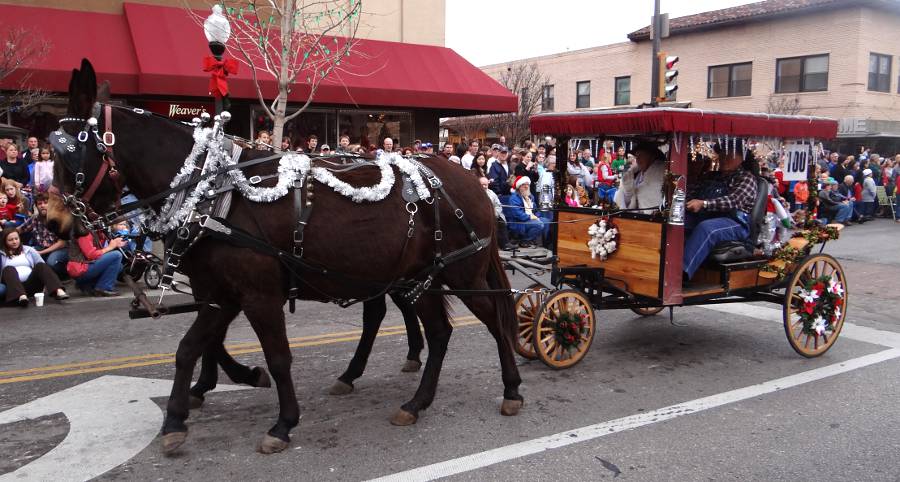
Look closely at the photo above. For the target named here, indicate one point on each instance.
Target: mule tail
(504, 306)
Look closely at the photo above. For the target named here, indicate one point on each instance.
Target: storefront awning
(69, 36)
(154, 50)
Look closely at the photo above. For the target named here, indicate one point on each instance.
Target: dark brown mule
(366, 240)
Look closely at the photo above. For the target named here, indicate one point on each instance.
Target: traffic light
(668, 77)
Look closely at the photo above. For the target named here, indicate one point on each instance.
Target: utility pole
(656, 32)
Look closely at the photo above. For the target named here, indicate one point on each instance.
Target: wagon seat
(730, 251)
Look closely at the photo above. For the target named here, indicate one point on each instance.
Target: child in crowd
(571, 197)
(7, 212)
(42, 176)
(15, 197)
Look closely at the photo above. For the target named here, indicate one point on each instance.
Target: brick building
(832, 58)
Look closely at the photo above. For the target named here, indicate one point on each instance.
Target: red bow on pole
(218, 70)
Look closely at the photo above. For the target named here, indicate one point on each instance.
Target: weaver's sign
(179, 110)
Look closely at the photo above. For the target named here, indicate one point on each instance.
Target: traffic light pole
(654, 66)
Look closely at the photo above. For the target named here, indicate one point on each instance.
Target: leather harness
(211, 221)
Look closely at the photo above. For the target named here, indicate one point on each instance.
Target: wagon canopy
(695, 121)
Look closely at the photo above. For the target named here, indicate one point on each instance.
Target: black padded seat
(730, 251)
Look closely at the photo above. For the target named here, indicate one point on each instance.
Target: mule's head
(79, 158)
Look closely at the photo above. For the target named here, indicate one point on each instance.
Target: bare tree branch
(21, 49)
(783, 105)
(289, 41)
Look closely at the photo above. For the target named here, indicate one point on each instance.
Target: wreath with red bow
(569, 329)
(823, 300)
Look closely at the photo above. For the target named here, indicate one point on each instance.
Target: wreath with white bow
(604, 238)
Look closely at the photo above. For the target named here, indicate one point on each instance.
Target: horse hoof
(340, 388)
(172, 441)
(411, 366)
(262, 378)
(195, 402)
(403, 418)
(510, 408)
(271, 445)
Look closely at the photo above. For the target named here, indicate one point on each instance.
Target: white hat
(521, 181)
(454, 159)
(867, 172)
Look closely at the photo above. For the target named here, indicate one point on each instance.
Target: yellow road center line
(72, 369)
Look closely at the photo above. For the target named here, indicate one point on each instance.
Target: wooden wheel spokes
(812, 344)
(572, 304)
(527, 305)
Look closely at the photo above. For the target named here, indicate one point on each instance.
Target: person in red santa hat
(522, 215)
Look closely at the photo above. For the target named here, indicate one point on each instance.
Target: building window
(802, 74)
(547, 98)
(879, 73)
(623, 90)
(582, 94)
(729, 80)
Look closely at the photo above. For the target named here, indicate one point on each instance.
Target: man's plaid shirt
(741, 194)
(41, 237)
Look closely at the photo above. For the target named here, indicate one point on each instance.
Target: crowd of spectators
(33, 259)
(519, 181)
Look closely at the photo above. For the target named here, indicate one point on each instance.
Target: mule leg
(236, 372)
(267, 319)
(209, 371)
(413, 334)
(373, 314)
(493, 311)
(437, 333)
(191, 346)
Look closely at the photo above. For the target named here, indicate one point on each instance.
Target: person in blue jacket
(522, 215)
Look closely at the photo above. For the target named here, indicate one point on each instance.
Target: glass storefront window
(369, 128)
(366, 128)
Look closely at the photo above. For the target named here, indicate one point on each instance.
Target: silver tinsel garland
(291, 167)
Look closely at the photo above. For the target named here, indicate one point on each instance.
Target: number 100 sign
(796, 162)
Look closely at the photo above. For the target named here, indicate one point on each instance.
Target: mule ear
(74, 82)
(103, 92)
(82, 97)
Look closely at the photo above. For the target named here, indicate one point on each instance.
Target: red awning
(71, 35)
(159, 51)
(692, 121)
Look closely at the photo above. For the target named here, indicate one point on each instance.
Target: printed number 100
(797, 161)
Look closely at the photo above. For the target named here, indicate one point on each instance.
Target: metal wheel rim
(527, 306)
(813, 345)
(547, 349)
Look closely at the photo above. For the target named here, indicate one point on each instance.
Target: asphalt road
(830, 418)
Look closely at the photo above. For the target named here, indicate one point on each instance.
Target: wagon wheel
(527, 305)
(811, 345)
(560, 306)
(648, 310)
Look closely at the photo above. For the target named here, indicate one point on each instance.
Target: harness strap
(95, 184)
(438, 233)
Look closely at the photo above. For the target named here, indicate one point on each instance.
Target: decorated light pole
(217, 31)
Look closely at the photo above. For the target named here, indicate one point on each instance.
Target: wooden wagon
(644, 272)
